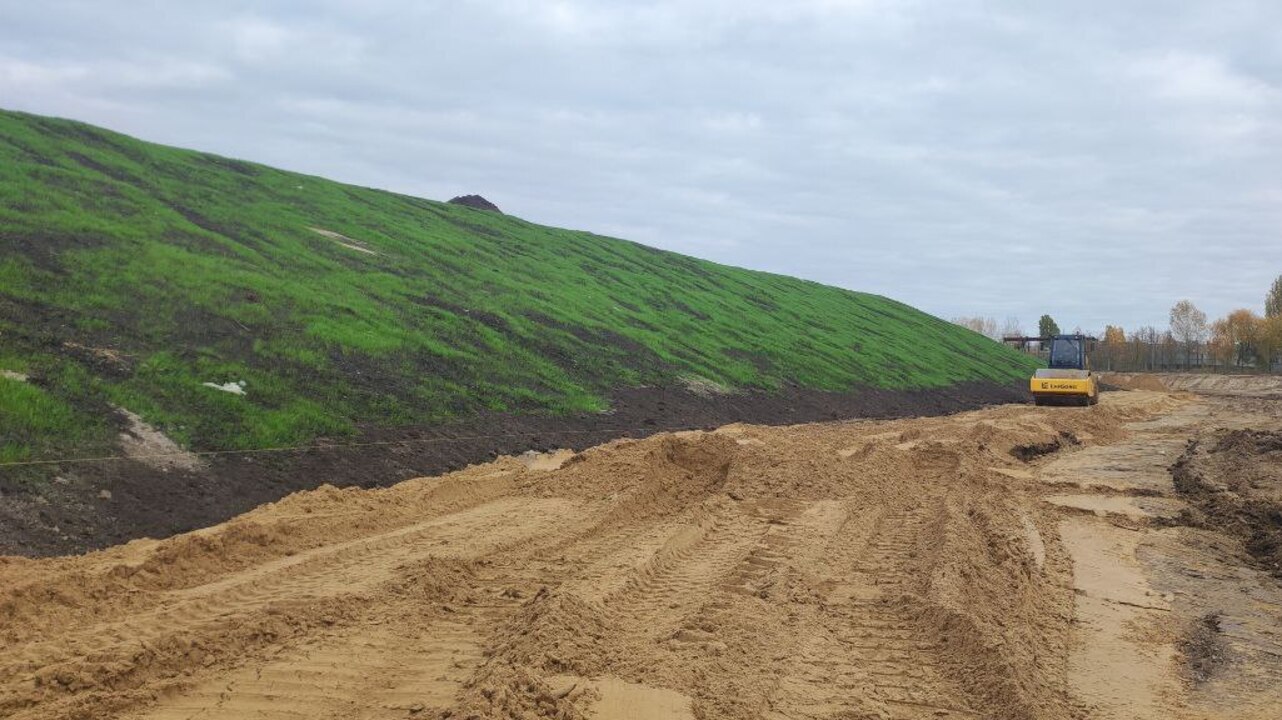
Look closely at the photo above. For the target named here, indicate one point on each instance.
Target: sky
(1094, 160)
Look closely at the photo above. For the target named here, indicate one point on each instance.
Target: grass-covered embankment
(131, 273)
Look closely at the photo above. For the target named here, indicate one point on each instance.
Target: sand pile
(1232, 385)
(860, 569)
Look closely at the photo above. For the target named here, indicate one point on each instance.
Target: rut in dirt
(1233, 479)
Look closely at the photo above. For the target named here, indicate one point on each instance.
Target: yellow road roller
(1067, 379)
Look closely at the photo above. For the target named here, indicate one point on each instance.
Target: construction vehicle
(1067, 379)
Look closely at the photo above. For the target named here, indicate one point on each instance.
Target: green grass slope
(131, 273)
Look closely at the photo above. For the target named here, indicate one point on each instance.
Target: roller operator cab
(1068, 379)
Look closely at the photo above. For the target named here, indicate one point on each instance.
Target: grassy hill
(132, 273)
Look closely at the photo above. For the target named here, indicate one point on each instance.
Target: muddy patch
(1233, 482)
(1032, 451)
(1203, 648)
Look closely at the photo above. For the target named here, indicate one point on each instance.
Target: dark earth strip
(1233, 482)
(76, 515)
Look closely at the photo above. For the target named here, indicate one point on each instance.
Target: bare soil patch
(1203, 647)
(1233, 479)
(1030, 452)
(147, 445)
(746, 572)
(1171, 619)
(908, 569)
(475, 202)
(1229, 385)
(159, 499)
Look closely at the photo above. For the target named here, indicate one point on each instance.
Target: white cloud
(17, 74)
(733, 123)
(158, 73)
(256, 39)
(1201, 79)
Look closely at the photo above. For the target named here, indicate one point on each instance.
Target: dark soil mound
(74, 514)
(477, 202)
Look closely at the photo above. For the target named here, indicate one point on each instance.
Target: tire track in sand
(861, 655)
(370, 673)
(345, 569)
(681, 577)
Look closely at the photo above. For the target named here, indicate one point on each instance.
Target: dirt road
(1015, 562)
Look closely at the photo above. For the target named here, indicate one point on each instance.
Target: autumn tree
(1268, 341)
(1221, 347)
(1114, 345)
(1188, 327)
(1234, 337)
(1046, 326)
(1273, 300)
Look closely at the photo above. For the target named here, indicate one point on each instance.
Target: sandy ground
(895, 569)
(1224, 385)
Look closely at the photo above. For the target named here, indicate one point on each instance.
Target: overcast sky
(1096, 160)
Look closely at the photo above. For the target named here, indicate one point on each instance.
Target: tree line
(1241, 340)
(988, 327)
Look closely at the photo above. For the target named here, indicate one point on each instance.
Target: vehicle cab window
(1066, 353)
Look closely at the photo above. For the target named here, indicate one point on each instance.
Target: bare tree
(1147, 334)
(985, 326)
(1145, 343)
(1188, 327)
(1012, 327)
(1169, 350)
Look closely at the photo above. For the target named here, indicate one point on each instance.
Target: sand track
(902, 569)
